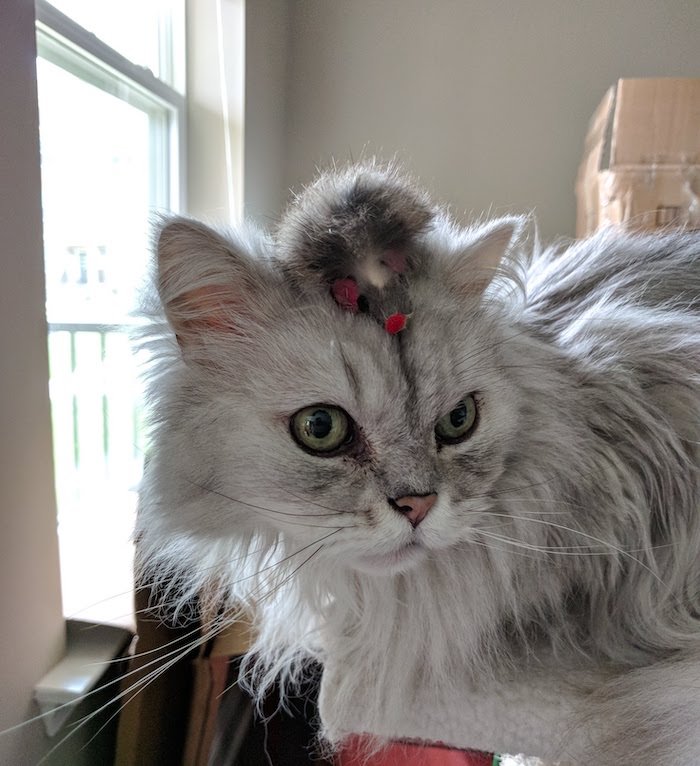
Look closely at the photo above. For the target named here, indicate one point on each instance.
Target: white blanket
(533, 716)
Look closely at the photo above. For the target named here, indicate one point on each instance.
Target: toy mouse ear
(483, 254)
(206, 283)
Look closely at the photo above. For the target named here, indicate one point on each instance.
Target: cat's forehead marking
(368, 377)
(353, 380)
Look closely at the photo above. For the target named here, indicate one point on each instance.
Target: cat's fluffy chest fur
(546, 403)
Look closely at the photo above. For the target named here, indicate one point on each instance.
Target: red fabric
(345, 293)
(354, 753)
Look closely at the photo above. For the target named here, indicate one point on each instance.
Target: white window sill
(90, 649)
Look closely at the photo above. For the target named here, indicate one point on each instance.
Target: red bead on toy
(395, 323)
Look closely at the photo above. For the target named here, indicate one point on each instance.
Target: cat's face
(298, 417)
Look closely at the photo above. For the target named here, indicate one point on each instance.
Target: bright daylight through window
(111, 115)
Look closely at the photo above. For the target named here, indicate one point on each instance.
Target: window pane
(96, 198)
(101, 178)
(145, 32)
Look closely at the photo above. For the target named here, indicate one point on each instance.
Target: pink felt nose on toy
(414, 507)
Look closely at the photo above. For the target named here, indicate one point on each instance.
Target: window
(111, 113)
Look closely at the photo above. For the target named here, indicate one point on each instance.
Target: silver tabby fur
(566, 527)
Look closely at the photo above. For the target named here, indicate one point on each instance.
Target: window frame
(63, 42)
(37, 28)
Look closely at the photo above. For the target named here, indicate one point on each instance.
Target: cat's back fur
(565, 529)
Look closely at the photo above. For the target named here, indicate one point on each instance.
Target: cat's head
(441, 497)
(287, 414)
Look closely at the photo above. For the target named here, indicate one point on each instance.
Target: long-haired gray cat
(461, 473)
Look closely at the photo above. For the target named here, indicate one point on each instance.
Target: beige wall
(215, 180)
(254, 62)
(487, 101)
(266, 68)
(31, 623)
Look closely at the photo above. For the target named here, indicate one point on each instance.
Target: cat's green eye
(321, 429)
(458, 423)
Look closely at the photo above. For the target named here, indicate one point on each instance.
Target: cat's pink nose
(414, 507)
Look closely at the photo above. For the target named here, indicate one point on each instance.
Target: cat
(497, 491)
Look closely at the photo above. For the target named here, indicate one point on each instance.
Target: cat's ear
(483, 254)
(207, 283)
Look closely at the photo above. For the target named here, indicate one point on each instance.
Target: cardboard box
(641, 162)
(170, 718)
